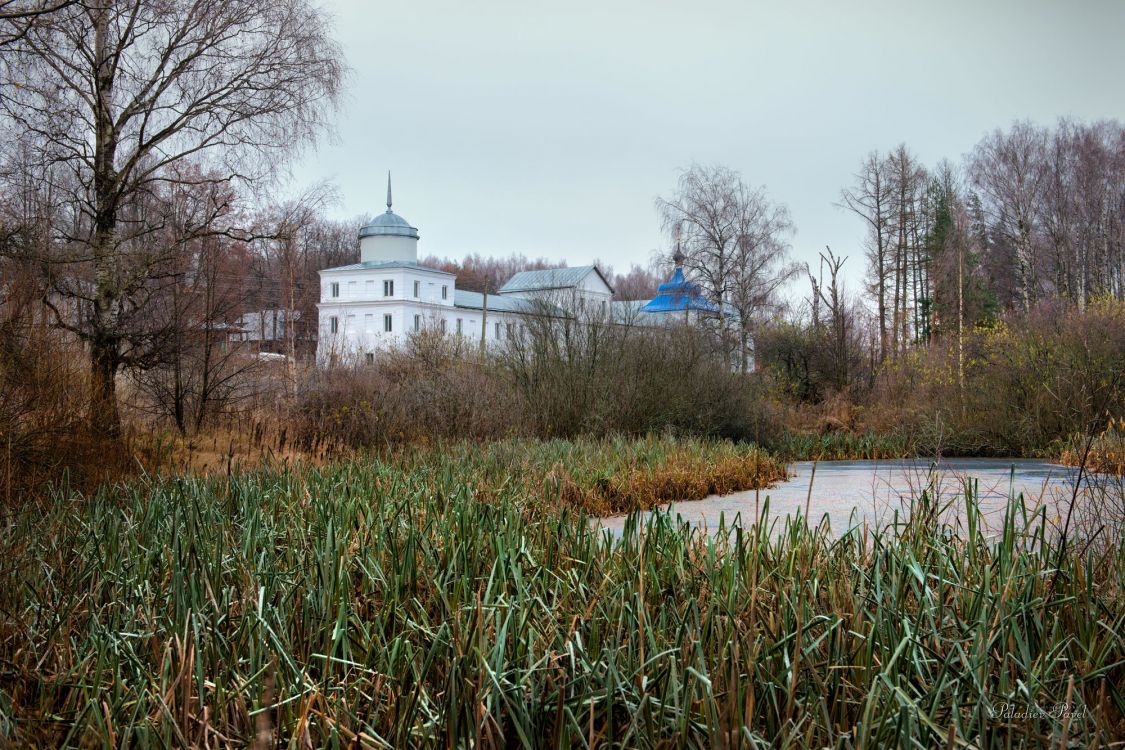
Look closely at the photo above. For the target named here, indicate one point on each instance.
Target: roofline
(604, 279)
(591, 267)
(490, 309)
(405, 265)
(535, 289)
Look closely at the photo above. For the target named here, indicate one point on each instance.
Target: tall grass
(840, 446)
(419, 602)
(1104, 453)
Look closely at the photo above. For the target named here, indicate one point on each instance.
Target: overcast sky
(549, 128)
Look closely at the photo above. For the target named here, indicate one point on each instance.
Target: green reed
(384, 603)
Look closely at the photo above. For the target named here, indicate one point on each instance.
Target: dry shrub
(590, 379)
(1028, 384)
(43, 433)
(434, 390)
(1106, 451)
(593, 377)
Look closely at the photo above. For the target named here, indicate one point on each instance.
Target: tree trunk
(104, 343)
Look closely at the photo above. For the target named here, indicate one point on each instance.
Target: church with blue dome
(379, 302)
(677, 295)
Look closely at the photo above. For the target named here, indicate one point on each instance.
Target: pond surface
(851, 492)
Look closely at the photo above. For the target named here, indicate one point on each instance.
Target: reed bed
(1105, 453)
(416, 601)
(843, 446)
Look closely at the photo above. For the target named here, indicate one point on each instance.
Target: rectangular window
(417, 289)
(444, 292)
(334, 323)
(459, 327)
(369, 322)
(497, 330)
(443, 325)
(370, 285)
(417, 322)
(388, 288)
(369, 358)
(387, 323)
(335, 289)
(508, 331)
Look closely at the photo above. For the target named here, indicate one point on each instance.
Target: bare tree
(906, 179)
(638, 283)
(871, 199)
(115, 94)
(18, 16)
(734, 240)
(840, 328)
(1006, 168)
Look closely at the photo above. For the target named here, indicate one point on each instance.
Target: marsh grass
(455, 599)
(1105, 452)
(843, 446)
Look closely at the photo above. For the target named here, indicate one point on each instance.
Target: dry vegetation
(1025, 387)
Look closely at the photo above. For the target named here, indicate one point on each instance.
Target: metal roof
(496, 302)
(387, 264)
(550, 278)
(678, 294)
(388, 224)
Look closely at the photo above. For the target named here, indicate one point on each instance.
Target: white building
(377, 303)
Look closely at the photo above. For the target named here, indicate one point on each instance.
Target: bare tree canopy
(114, 99)
(735, 243)
(1007, 170)
(18, 16)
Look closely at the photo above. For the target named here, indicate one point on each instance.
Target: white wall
(388, 247)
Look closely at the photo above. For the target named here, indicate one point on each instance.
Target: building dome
(678, 294)
(388, 223)
(388, 237)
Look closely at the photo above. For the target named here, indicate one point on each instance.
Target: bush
(591, 376)
(554, 379)
(43, 391)
(1029, 384)
(434, 390)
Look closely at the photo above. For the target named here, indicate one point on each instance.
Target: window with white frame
(443, 325)
(444, 291)
(335, 289)
(497, 331)
(369, 358)
(459, 327)
(417, 289)
(389, 288)
(369, 322)
(333, 323)
(387, 323)
(417, 322)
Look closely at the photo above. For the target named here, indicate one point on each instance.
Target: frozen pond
(872, 490)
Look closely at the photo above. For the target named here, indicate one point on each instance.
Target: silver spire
(388, 191)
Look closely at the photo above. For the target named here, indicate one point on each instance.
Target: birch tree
(1006, 169)
(113, 94)
(735, 243)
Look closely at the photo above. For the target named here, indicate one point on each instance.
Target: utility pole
(484, 318)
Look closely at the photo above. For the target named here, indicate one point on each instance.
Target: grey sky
(549, 128)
